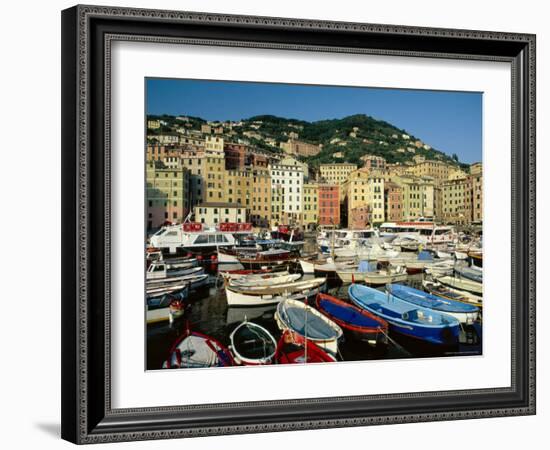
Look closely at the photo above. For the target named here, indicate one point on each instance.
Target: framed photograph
(281, 224)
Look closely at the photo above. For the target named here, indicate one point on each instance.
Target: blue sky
(448, 121)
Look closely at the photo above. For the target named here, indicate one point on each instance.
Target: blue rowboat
(403, 318)
(463, 312)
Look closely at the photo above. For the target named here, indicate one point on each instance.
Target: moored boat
(175, 280)
(261, 273)
(471, 273)
(174, 310)
(193, 350)
(403, 318)
(452, 294)
(293, 349)
(267, 258)
(463, 312)
(462, 283)
(264, 282)
(160, 270)
(369, 273)
(302, 320)
(162, 297)
(326, 267)
(359, 323)
(252, 344)
(251, 295)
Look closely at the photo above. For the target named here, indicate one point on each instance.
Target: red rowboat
(291, 349)
(359, 323)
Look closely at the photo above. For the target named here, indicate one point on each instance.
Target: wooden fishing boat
(462, 284)
(239, 273)
(389, 274)
(471, 273)
(302, 320)
(265, 282)
(463, 312)
(250, 295)
(252, 344)
(161, 298)
(178, 279)
(268, 258)
(413, 321)
(452, 294)
(193, 350)
(157, 272)
(294, 349)
(476, 257)
(358, 323)
(175, 310)
(440, 268)
(323, 266)
(195, 281)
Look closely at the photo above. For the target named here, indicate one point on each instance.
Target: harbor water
(208, 313)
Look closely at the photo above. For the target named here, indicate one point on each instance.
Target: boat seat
(411, 314)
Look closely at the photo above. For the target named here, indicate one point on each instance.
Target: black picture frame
(87, 32)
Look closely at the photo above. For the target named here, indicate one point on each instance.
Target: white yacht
(199, 238)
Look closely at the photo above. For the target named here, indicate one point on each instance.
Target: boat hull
(373, 279)
(462, 284)
(388, 308)
(246, 351)
(373, 330)
(329, 344)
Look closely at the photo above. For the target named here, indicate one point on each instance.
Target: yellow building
(336, 173)
(438, 170)
(238, 187)
(476, 177)
(214, 177)
(277, 204)
(456, 173)
(166, 194)
(219, 212)
(476, 168)
(457, 201)
(213, 145)
(365, 188)
(418, 196)
(260, 213)
(153, 124)
(310, 204)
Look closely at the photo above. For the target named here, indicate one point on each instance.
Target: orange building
(329, 204)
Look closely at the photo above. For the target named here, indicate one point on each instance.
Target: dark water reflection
(209, 314)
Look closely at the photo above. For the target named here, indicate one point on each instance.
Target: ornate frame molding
(86, 422)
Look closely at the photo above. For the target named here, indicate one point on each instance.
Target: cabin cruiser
(427, 232)
(197, 237)
(344, 238)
